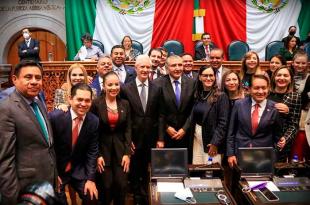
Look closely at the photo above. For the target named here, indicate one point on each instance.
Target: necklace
(112, 110)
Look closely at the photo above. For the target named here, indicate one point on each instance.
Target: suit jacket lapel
(134, 90)
(184, 92)
(265, 116)
(171, 91)
(103, 109)
(248, 113)
(48, 126)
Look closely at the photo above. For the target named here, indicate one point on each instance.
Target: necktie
(177, 92)
(75, 135)
(143, 96)
(218, 79)
(207, 52)
(27, 43)
(40, 119)
(255, 118)
(152, 75)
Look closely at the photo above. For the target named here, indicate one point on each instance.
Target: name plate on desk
(203, 185)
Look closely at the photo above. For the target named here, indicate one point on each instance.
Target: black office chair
(273, 48)
(237, 49)
(99, 44)
(174, 47)
(137, 45)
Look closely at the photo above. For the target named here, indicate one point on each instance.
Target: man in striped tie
(76, 145)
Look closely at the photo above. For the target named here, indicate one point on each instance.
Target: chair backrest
(174, 47)
(273, 48)
(137, 45)
(237, 49)
(99, 44)
(307, 49)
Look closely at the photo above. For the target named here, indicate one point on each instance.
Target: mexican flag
(152, 22)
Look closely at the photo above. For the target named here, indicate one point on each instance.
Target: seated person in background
(130, 52)
(292, 32)
(188, 64)
(124, 72)
(276, 62)
(76, 74)
(155, 55)
(76, 145)
(88, 51)
(254, 122)
(203, 51)
(289, 49)
(29, 49)
(162, 63)
(104, 66)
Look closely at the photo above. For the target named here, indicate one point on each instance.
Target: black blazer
(170, 114)
(200, 52)
(130, 74)
(83, 156)
(214, 123)
(240, 129)
(144, 124)
(32, 53)
(117, 140)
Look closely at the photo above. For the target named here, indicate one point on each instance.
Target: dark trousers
(139, 176)
(78, 186)
(113, 184)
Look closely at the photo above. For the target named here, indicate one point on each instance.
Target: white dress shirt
(121, 72)
(146, 85)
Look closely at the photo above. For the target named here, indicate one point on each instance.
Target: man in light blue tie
(27, 153)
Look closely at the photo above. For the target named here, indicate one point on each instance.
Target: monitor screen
(256, 161)
(169, 162)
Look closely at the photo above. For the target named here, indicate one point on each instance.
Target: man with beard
(155, 56)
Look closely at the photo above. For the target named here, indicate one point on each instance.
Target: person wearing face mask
(29, 48)
(292, 32)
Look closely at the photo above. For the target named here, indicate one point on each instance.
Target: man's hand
(160, 144)
(179, 135)
(100, 164)
(171, 132)
(125, 163)
(232, 161)
(90, 187)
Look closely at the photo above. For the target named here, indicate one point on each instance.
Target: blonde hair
(244, 67)
(67, 86)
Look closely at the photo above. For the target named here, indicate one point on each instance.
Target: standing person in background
(188, 65)
(29, 49)
(276, 62)
(162, 64)
(292, 32)
(288, 103)
(302, 86)
(216, 62)
(104, 66)
(155, 56)
(203, 51)
(114, 141)
(26, 135)
(88, 51)
(209, 119)
(130, 52)
(250, 66)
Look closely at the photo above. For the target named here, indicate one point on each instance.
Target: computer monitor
(256, 161)
(169, 162)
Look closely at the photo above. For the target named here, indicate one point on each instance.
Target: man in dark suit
(143, 97)
(104, 66)
(76, 144)
(26, 135)
(155, 55)
(176, 102)
(29, 49)
(254, 121)
(216, 61)
(188, 64)
(125, 73)
(203, 51)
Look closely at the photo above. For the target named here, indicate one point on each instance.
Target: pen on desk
(261, 185)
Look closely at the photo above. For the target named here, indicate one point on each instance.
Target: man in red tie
(254, 121)
(203, 51)
(76, 145)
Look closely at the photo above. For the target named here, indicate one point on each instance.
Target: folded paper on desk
(270, 185)
(169, 186)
